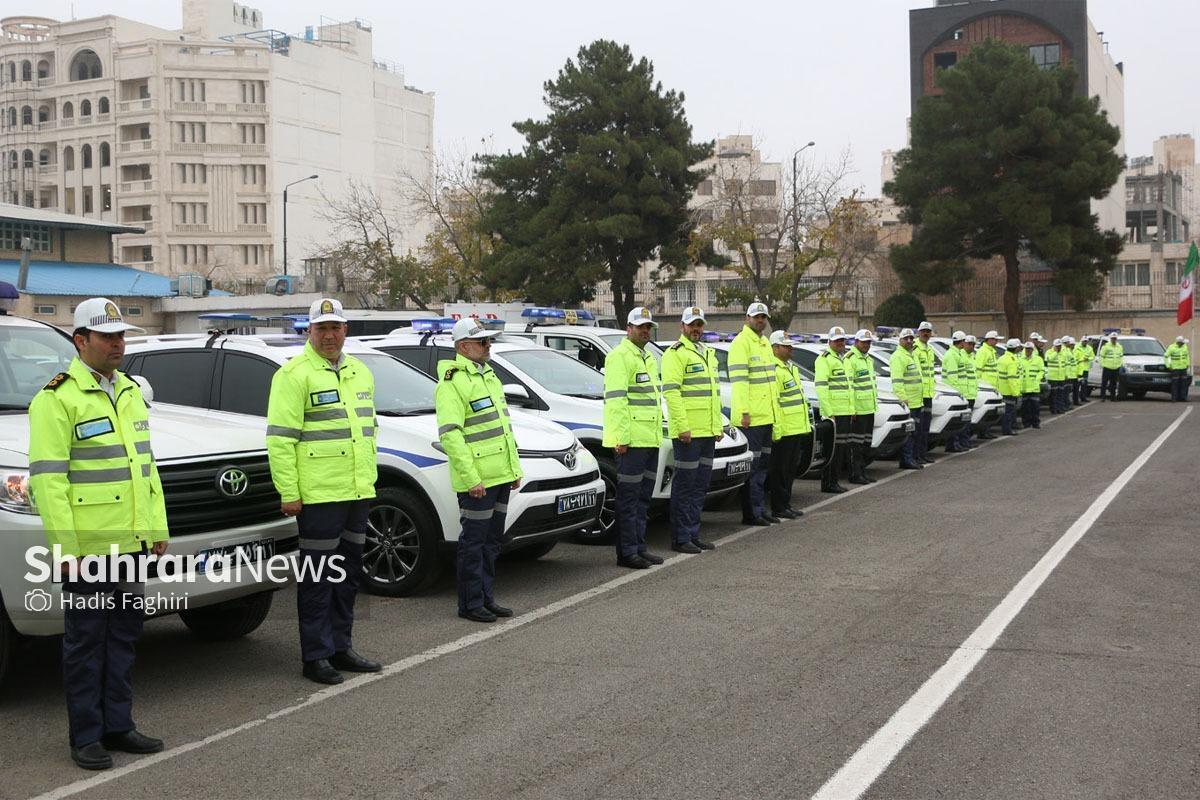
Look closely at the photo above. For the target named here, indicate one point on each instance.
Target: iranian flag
(1186, 286)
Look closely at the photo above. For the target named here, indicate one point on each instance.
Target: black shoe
(858, 480)
(480, 614)
(498, 610)
(350, 661)
(321, 671)
(926, 460)
(913, 465)
(1010, 433)
(759, 521)
(867, 478)
(653, 559)
(771, 518)
(91, 756)
(132, 742)
(704, 545)
(634, 562)
(788, 513)
(1037, 427)
(686, 547)
(835, 489)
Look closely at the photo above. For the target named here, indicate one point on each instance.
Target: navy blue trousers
(693, 470)
(325, 604)
(962, 439)
(636, 472)
(921, 445)
(479, 544)
(1031, 410)
(98, 649)
(1010, 413)
(908, 451)
(1179, 384)
(753, 493)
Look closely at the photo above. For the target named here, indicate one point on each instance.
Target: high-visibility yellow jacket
(1084, 356)
(91, 472)
(751, 373)
(690, 387)
(1008, 375)
(793, 416)
(1112, 355)
(1054, 364)
(833, 385)
(906, 377)
(1034, 371)
(474, 425)
(632, 406)
(968, 379)
(985, 364)
(1177, 356)
(1070, 365)
(321, 429)
(861, 369)
(924, 355)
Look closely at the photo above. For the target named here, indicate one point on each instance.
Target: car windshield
(558, 373)
(882, 367)
(400, 390)
(1141, 347)
(29, 358)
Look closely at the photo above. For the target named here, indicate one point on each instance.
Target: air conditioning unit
(282, 284)
(191, 284)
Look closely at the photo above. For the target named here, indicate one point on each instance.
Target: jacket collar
(471, 368)
(83, 376)
(319, 361)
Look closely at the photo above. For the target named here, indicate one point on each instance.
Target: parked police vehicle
(219, 497)
(1142, 369)
(414, 518)
(989, 405)
(557, 387)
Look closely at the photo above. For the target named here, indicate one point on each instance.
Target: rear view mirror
(144, 385)
(516, 394)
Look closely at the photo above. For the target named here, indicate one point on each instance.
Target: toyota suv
(414, 518)
(1142, 370)
(218, 492)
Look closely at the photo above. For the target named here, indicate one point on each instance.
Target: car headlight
(886, 401)
(947, 393)
(14, 492)
(1135, 368)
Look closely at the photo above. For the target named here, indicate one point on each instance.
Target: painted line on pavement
(871, 759)
(492, 631)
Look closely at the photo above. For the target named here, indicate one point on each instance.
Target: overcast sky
(787, 72)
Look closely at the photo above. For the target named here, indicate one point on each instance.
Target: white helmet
(970, 339)
(1014, 343)
(925, 326)
(864, 336)
(991, 335)
(836, 333)
(958, 336)
(906, 333)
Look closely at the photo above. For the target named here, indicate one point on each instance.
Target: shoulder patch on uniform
(57, 381)
(449, 373)
(677, 345)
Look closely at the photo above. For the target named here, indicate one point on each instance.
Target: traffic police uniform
(1112, 356)
(1054, 375)
(906, 384)
(475, 430)
(1031, 386)
(969, 381)
(95, 485)
(633, 417)
(1071, 373)
(954, 369)
(985, 369)
(1008, 381)
(925, 360)
(751, 368)
(690, 388)
(1088, 356)
(791, 431)
(1177, 359)
(321, 446)
(861, 369)
(832, 381)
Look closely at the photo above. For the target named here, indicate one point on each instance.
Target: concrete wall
(150, 317)
(1107, 82)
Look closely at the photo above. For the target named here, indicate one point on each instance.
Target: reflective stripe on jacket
(924, 355)
(1035, 370)
(474, 425)
(793, 415)
(861, 369)
(1112, 356)
(1008, 375)
(632, 406)
(906, 377)
(689, 385)
(1054, 365)
(751, 373)
(985, 364)
(833, 385)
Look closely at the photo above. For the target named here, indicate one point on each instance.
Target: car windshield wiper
(412, 412)
(584, 395)
(13, 407)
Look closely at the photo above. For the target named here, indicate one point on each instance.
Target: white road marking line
(396, 667)
(873, 757)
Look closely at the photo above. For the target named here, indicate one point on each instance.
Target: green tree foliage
(601, 185)
(1003, 163)
(901, 311)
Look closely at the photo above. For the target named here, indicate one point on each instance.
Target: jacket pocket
(335, 449)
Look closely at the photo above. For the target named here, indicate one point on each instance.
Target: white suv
(414, 518)
(205, 514)
(1143, 368)
(557, 387)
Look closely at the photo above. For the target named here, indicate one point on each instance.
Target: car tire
(604, 531)
(8, 643)
(401, 555)
(1137, 394)
(229, 620)
(531, 552)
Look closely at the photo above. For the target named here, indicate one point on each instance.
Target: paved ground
(754, 671)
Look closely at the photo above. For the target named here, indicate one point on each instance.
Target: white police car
(557, 387)
(1142, 369)
(989, 405)
(950, 412)
(415, 514)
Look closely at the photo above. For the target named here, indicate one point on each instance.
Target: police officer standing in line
(321, 446)
(906, 385)
(95, 484)
(793, 419)
(1008, 378)
(1054, 374)
(861, 368)
(924, 355)
(985, 369)
(1088, 355)
(1071, 368)
(1112, 356)
(633, 428)
(970, 383)
(1177, 360)
(475, 430)
(752, 375)
(953, 369)
(1031, 385)
(690, 387)
(837, 403)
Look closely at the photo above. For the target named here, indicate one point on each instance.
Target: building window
(192, 173)
(105, 155)
(253, 91)
(102, 106)
(944, 60)
(85, 108)
(27, 115)
(26, 71)
(191, 213)
(85, 155)
(105, 197)
(762, 188)
(85, 66)
(189, 254)
(253, 133)
(133, 311)
(1171, 273)
(68, 111)
(254, 174)
(683, 293)
(87, 200)
(44, 114)
(1129, 275)
(11, 234)
(254, 213)
(252, 255)
(1046, 55)
(68, 158)
(28, 157)
(45, 310)
(44, 158)
(705, 188)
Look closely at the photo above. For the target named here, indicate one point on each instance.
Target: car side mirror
(144, 385)
(516, 394)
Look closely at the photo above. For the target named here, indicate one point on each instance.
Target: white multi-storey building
(194, 134)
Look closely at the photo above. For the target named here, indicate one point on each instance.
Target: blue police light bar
(542, 313)
(433, 324)
(490, 324)
(710, 336)
(1107, 331)
(1138, 331)
(885, 330)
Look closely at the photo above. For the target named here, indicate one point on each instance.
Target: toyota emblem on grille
(232, 482)
(569, 461)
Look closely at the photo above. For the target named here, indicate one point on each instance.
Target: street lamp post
(796, 219)
(285, 190)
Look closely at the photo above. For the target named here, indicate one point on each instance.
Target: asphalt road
(755, 671)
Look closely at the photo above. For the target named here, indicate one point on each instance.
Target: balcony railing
(132, 106)
(127, 187)
(48, 125)
(192, 227)
(66, 122)
(45, 81)
(137, 145)
(251, 227)
(219, 147)
(190, 107)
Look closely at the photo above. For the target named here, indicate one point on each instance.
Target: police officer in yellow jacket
(832, 382)
(1033, 370)
(1112, 359)
(321, 445)
(752, 408)
(97, 490)
(861, 369)
(475, 430)
(694, 423)
(923, 352)
(1008, 382)
(906, 384)
(1177, 360)
(792, 429)
(633, 428)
